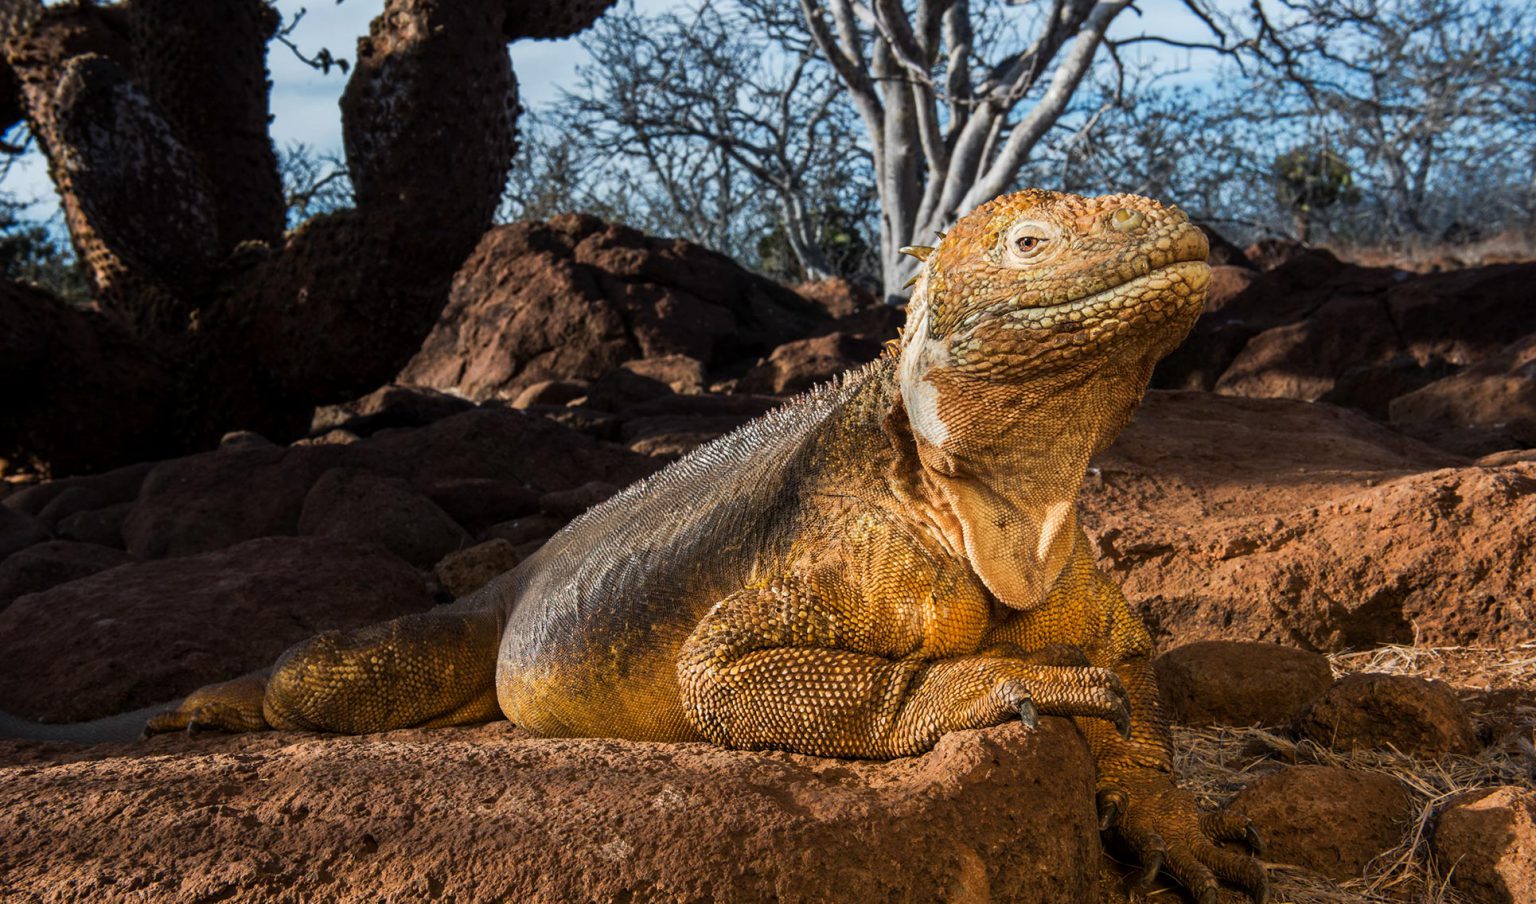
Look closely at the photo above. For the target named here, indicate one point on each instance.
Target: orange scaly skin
(889, 558)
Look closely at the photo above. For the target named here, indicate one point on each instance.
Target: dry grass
(1216, 763)
(1468, 668)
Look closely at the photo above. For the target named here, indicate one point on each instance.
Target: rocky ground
(1338, 465)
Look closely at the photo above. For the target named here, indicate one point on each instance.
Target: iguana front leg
(788, 668)
(1137, 795)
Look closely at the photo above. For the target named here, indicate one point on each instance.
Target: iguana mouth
(1158, 292)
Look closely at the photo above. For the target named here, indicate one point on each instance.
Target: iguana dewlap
(891, 557)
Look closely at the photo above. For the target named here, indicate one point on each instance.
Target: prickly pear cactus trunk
(206, 316)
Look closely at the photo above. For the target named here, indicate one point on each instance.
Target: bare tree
(712, 125)
(206, 315)
(312, 183)
(1432, 104)
(953, 97)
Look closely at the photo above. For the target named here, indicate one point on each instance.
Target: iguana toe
(229, 706)
(1224, 826)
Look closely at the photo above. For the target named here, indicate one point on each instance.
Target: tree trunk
(153, 115)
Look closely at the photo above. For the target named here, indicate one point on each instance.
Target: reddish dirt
(1308, 525)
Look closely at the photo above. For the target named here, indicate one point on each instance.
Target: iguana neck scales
(887, 559)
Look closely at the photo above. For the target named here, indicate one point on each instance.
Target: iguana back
(601, 610)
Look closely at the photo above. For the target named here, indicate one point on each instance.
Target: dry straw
(1215, 763)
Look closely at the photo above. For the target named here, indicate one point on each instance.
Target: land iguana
(890, 557)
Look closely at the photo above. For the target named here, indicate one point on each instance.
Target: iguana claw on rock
(889, 558)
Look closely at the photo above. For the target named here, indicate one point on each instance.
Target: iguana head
(1030, 338)
(1039, 287)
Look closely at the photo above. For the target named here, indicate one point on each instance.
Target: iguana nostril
(1126, 220)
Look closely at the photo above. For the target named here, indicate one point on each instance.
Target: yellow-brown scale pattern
(887, 559)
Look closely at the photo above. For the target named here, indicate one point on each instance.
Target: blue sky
(304, 100)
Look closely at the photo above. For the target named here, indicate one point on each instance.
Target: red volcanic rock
(1217, 682)
(478, 502)
(1366, 711)
(574, 298)
(1313, 327)
(102, 527)
(551, 392)
(45, 565)
(1267, 254)
(568, 504)
(1485, 842)
(796, 366)
(507, 445)
(1330, 820)
(1223, 252)
(837, 296)
(85, 492)
(468, 814)
(148, 632)
(355, 505)
(1489, 406)
(1308, 525)
(388, 406)
(522, 530)
(18, 530)
(679, 373)
(216, 499)
(213, 500)
(462, 573)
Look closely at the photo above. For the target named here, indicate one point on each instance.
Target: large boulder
(145, 633)
(1308, 525)
(797, 366)
(488, 814)
(574, 298)
(1331, 820)
(837, 296)
(18, 530)
(1484, 408)
(1313, 327)
(55, 562)
(1217, 682)
(388, 406)
(1368, 711)
(1485, 842)
(85, 492)
(215, 499)
(357, 505)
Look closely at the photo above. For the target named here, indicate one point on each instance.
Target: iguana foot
(228, 706)
(1164, 827)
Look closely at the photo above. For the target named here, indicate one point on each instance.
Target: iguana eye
(1027, 242)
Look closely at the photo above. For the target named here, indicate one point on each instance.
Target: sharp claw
(1251, 836)
(1123, 721)
(1151, 863)
(1261, 893)
(1111, 803)
(1028, 714)
(1107, 816)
